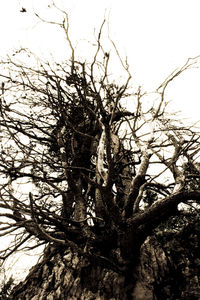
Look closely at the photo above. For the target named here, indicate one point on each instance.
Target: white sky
(156, 35)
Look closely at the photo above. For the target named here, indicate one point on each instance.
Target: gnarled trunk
(68, 275)
(168, 268)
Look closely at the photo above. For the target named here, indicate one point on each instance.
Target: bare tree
(78, 165)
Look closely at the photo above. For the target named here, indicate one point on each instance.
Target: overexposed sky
(156, 35)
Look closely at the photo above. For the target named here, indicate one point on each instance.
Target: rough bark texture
(169, 268)
(69, 276)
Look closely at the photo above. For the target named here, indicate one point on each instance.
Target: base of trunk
(168, 269)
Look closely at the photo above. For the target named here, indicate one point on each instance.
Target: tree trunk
(69, 275)
(168, 268)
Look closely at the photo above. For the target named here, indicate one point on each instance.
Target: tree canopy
(87, 162)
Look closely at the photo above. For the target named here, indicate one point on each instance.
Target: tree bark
(168, 267)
